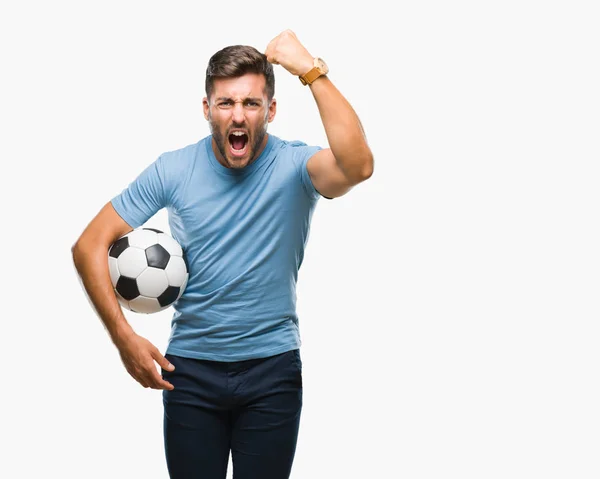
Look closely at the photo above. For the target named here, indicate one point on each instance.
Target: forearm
(92, 266)
(344, 131)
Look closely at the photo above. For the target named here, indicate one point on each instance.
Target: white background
(448, 306)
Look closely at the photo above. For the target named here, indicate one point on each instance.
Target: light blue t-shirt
(243, 233)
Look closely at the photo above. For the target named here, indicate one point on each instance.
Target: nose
(238, 113)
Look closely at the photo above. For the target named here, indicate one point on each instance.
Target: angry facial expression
(239, 112)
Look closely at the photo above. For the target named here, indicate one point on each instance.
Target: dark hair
(237, 60)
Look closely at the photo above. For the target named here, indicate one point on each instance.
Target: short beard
(221, 141)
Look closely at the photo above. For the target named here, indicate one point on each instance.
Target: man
(240, 202)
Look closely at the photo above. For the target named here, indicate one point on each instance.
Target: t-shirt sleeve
(301, 154)
(144, 196)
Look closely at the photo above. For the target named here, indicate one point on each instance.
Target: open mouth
(238, 143)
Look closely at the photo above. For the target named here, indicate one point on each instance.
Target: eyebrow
(224, 98)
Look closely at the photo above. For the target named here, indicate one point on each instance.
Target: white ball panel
(183, 286)
(122, 301)
(176, 271)
(152, 282)
(113, 269)
(169, 243)
(141, 238)
(132, 262)
(145, 305)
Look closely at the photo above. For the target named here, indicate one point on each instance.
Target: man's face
(238, 112)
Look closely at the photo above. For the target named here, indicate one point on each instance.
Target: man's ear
(205, 107)
(272, 110)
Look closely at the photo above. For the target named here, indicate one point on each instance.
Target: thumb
(163, 362)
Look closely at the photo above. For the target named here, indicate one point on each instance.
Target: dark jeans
(251, 408)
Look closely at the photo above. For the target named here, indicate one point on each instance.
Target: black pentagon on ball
(153, 229)
(157, 256)
(168, 296)
(118, 247)
(127, 287)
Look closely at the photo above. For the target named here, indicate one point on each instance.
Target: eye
(225, 103)
(253, 104)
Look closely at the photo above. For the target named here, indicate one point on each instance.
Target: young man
(240, 202)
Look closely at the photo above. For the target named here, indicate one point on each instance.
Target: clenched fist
(286, 50)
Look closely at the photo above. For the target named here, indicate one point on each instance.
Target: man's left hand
(286, 50)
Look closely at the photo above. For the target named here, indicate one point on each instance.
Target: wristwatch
(320, 68)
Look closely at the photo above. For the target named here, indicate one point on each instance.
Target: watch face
(319, 62)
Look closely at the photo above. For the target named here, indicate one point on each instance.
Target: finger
(159, 383)
(267, 51)
(270, 51)
(269, 56)
(162, 361)
(154, 379)
(142, 379)
(167, 385)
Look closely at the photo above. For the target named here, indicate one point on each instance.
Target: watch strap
(310, 76)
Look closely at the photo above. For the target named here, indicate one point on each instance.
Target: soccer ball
(148, 270)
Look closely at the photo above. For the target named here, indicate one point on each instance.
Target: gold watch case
(319, 68)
